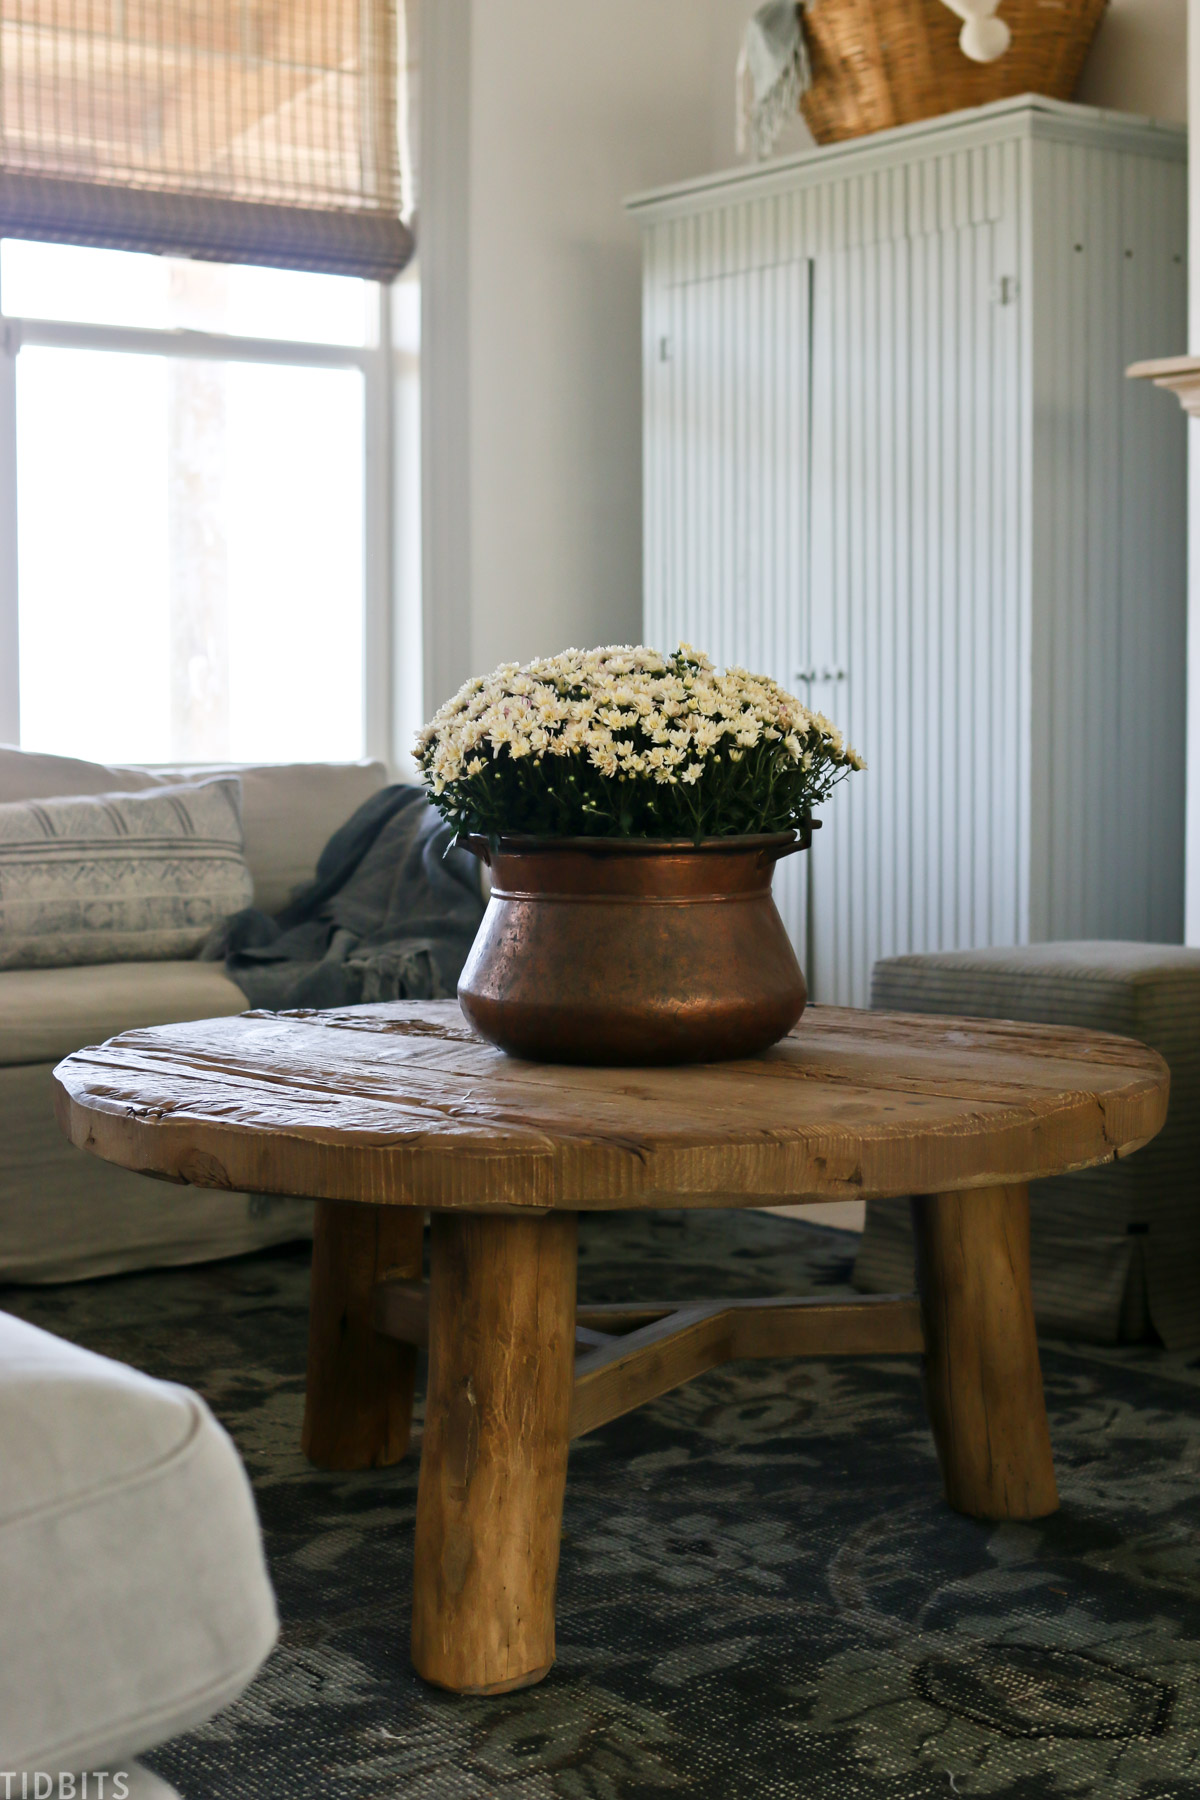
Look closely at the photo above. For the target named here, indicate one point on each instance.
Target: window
(199, 476)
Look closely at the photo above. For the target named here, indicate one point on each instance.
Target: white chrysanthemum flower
(625, 713)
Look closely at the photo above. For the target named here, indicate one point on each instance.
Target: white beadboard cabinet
(891, 457)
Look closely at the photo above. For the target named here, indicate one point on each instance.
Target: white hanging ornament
(983, 37)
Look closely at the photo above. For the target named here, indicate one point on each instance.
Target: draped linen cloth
(391, 916)
(773, 71)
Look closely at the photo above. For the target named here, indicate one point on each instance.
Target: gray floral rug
(762, 1593)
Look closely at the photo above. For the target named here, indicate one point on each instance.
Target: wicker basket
(878, 63)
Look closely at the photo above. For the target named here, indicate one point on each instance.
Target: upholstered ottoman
(134, 1601)
(1116, 1250)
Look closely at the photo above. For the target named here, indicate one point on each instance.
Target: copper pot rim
(747, 843)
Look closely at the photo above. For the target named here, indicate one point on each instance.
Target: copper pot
(633, 950)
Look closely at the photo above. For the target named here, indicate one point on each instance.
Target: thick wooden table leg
(494, 1456)
(983, 1380)
(358, 1403)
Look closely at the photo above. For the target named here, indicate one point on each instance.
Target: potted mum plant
(631, 808)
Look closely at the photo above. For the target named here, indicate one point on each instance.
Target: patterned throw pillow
(119, 877)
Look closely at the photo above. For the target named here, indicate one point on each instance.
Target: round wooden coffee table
(379, 1112)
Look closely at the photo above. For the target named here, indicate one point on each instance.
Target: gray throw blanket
(391, 916)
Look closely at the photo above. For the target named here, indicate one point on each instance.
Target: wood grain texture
(358, 1399)
(637, 1352)
(684, 1341)
(402, 1104)
(380, 1111)
(618, 1376)
(983, 1380)
(494, 1457)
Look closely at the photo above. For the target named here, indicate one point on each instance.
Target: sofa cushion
(45, 1014)
(100, 878)
(131, 1565)
(289, 813)
(1107, 985)
(66, 1215)
(289, 810)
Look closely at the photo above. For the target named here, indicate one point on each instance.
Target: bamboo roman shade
(240, 130)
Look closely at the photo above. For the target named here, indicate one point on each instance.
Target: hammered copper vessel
(633, 950)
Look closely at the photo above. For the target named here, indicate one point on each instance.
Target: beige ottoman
(1116, 1250)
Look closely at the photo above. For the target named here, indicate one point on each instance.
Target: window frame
(388, 372)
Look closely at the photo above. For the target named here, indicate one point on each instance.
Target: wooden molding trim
(1180, 375)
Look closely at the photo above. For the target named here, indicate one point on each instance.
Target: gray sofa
(65, 1216)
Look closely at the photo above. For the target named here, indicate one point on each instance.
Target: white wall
(538, 118)
(1146, 59)
(1138, 60)
(577, 105)
(533, 405)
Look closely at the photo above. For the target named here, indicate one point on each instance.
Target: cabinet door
(727, 437)
(916, 600)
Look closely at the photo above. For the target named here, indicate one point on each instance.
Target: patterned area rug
(762, 1593)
